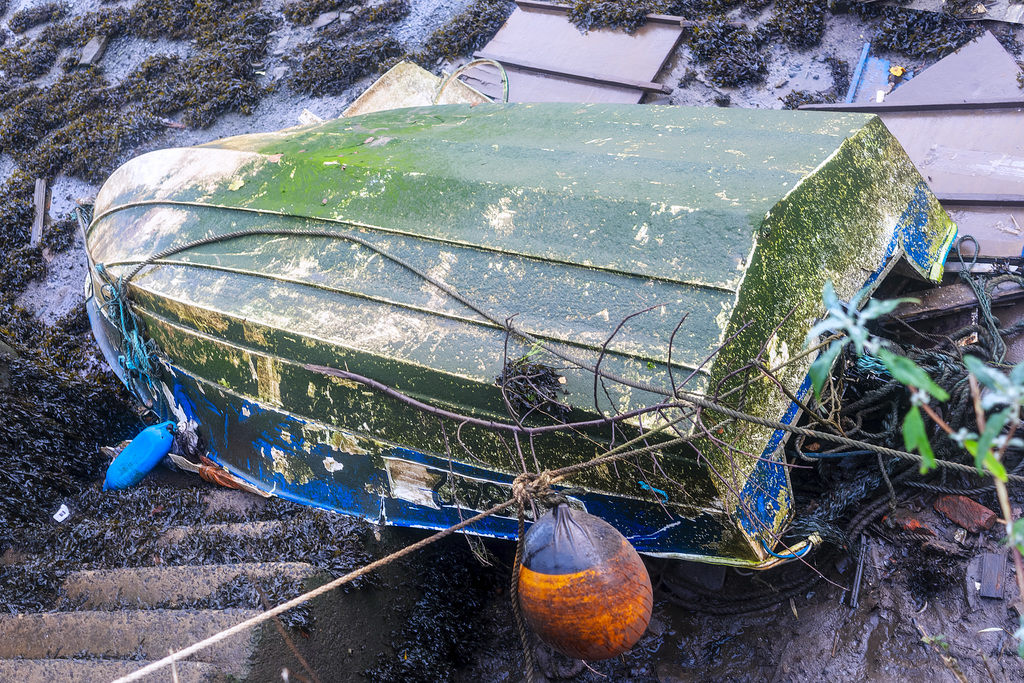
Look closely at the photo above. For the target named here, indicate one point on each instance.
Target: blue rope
(794, 556)
(647, 487)
(139, 358)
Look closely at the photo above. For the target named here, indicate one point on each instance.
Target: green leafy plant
(998, 397)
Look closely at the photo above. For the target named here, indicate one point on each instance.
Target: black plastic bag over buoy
(582, 587)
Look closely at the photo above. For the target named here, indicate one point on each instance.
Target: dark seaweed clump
(221, 77)
(627, 15)
(444, 628)
(919, 35)
(25, 19)
(330, 69)
(531, 386)
(465, 33)
(346, 52)
(840, 85)
(303, 12)
(115, 529)
(364, 20)
(731, 55)
(58, 408)
(799, 23)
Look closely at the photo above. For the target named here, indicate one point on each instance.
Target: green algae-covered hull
(396, 245)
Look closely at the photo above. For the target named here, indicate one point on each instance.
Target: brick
(965, 512)
(908, 521)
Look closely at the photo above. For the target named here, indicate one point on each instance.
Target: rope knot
(529, 485)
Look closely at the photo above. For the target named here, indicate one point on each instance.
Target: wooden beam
(965, 199)
(884, 107)
(651, 18)
(959, 296)
(42, 205)
(578, 76)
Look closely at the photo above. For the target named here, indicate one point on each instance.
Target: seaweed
(1008, 40)
(799, 23)
(94, 145)
(443, 630)
(530, 386)
(303, 12)
(220, 78)
(840, 71)
(329, 69)
(466, 32)
(699, 10)
(27, 61)
(58, 409)
(628, 15)
(161, 18)
(731, 55)
(367, 18)
(127, 528)
(23, 20)
(42, 111)
(919, 35)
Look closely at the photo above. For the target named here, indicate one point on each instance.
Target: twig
(284, 634)
(949, 661)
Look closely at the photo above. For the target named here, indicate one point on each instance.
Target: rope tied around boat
(139, 359)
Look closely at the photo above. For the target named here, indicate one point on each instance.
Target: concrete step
(136, 633)
(105, 589)
(97, 671)
(255, 530)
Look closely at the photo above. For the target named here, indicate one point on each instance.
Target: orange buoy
(582, 587)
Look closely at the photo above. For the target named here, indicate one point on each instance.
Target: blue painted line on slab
(855, 81)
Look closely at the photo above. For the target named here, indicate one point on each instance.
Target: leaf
(909, 373)
(829, 298)
(820, 368)
(993, 428)
(993, 379)
(915, 438)
(994, 467)
(859, 297)
(876, 308)
(1017, 374)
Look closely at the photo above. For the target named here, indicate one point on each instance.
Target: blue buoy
(140, 456)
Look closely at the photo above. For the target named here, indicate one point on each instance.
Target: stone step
(255, 530)
(105, 589)
(97, 671)
(148, 634)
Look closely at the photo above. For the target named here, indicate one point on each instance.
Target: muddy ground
(446, 616)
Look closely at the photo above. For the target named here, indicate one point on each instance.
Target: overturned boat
(344, 309)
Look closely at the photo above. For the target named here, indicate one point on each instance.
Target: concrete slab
(168, 586)
(128, 634)
(91, 671)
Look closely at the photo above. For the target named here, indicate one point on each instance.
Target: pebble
(325, 19)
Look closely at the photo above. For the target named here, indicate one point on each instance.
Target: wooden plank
(993, 575)
(42, 205)
(651, 18)
(953, 298)
(647, 86)
(880, 107)
(976, 199)
(564, 9)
